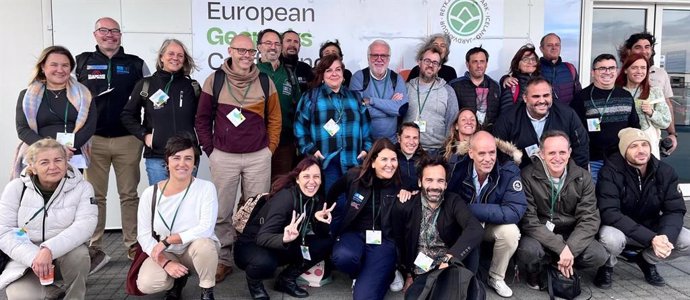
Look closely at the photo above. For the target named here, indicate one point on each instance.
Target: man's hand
(148, 140)
(408, 283)
(662, 247)
(365, 101)
(397, 96)
(175, 269)
(565, 263)
(674, 139)
(157, 253)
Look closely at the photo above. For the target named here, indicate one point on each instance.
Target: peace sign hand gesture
(291, 231)
(324, 215)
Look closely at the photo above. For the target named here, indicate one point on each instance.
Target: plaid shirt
(320, 105)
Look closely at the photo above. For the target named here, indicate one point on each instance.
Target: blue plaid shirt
(320, 105)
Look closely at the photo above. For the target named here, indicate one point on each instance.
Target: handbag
(560, 286)
(140, 256)
(448, 283)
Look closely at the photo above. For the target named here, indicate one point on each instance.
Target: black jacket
(176, 116)
(125, 70)
(354, 188)
(640, 207)
(515, 126)
(460, 231)
(466, 92)
(303, 72)
(278, 214)
(408, 168)
(509, 98)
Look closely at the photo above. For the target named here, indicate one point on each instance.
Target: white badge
(550, 226)
(65, 139)
(287, 88)
(305, 252)
(236, 117)
(21, 235)
(331, 127)
(421, 124)
(105, 92)
(594, 124)
(374, 237)
(532, 150)
(159, 98)
(423, 262)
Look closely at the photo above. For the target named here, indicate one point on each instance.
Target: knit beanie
(629, 135)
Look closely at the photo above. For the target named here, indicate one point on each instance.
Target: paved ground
(628, 282)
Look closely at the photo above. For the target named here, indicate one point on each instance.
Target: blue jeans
(157, 171)
(594, 167)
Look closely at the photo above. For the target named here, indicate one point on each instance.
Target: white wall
(28, 26)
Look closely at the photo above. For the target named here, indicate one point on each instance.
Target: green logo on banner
(465, 20)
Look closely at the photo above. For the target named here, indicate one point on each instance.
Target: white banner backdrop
(403, 24)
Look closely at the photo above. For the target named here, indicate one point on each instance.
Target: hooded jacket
(575, 212)
(67, 222)
(502, 200)
(439, 110)
(640, 207)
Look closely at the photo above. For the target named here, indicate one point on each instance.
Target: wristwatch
(165, 243)
(446, 259)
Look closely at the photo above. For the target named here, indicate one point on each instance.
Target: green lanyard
(422, 104)
(167, 86)
(601, 114)
(339, 109)
(553, 197)
(176, 210)
(305, 225)
(241, 103)
(385, 84)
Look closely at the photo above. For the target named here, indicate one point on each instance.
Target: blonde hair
(38, 74)
(41, 146)
(188, 66)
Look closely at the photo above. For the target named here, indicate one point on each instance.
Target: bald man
(239, 129)
(490, 184)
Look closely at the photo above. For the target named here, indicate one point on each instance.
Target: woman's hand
(408, 282)
(324, 215)
(175, 269)
(42, 262)
(361, 155)
(70, 152)
(510, 81)
(318, 155)
(291, 232)
(647, 109)
(405, 195)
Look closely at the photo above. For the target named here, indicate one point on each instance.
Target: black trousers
(261, 262)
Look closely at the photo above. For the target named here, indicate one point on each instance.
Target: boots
(207, 294)
(175, 293)
(256, 289)
(649, 270)
(287, 283)
(604, 277)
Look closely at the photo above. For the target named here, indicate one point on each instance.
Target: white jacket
(69, 222)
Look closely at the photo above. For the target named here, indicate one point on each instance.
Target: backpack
(248, 210)
(219, 80)
(367, 77)
(516, 88)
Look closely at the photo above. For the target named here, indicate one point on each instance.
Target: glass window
(611, 26)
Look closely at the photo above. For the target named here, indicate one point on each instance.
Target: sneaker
(533, 281)
(397, 284)
(98, 261)
(501, 287)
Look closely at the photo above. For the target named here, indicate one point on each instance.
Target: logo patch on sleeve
(93, 200)
(517, 185)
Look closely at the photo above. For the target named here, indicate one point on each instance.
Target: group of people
(384, 178)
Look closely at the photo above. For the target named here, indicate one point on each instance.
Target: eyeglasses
(529, 59)
(379, 56)
(243, 51)
(269, 44)
(105, 31)
(605, 69)
(430, 62)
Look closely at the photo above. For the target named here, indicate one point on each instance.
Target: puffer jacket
(502, 201)
(69, 220)
(575, 212)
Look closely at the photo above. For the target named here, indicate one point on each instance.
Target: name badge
(374, 237)
(423, 261)
(594, 124)
(159, 98)
(550, 226)
(421, 124)
(21, 235)
(287, 89)
(532, 150)
(305, 252)
(331, 127)
(236, 117)
(65, 139)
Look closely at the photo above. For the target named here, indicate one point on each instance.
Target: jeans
(594, 167)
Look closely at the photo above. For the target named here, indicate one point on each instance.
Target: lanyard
(176, 210)
(555, 191)
(601, 114)
(422, 104)
(246, 91)
(109, 75)
(50, 106)
(167, 86)
(305, 225)
(385, 84)
(373, 209)
(339, 109)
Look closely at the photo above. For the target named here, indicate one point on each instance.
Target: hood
(70, 181)
(508, 150)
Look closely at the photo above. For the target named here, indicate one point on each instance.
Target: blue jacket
(565, 82)
(502, 200)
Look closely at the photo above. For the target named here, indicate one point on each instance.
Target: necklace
(56, 94)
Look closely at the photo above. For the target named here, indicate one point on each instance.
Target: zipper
(486, 195)
(474, 192)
